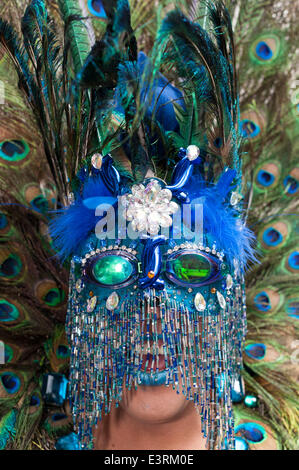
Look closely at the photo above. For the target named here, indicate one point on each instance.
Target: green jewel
(191, 268)
(111, 270)
(250, 401)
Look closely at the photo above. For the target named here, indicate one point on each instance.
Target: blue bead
(237, 392)
(241, 444)
(69, 442)
(54, 388)
(250, 401)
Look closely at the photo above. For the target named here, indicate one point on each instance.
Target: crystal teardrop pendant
(199, 302)
(221, 300)
(79, 286)
(112, 301)
(229, 281)
(91, 303)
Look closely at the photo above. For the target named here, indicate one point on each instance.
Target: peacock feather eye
(252, 432)
(291, 182)
(192, 268)
(13, 150)
(11, 382)
(267, 175)
(8, 311)
(252, 124)
(96, 8)
(113, 269)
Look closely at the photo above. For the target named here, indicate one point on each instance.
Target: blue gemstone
(263, 51)
(272, 237)
(69, 442)
(237, 392)
(54, 388)
(265, 178)
(262, 302)
(256, 350)
(241, 444)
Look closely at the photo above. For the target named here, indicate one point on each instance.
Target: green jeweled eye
(112, 270)
(192, 269)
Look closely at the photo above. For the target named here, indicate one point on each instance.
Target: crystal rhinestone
(96, 161)
(91, 303)
(199, 302)
(208, 249)
(235, 198)
(112, 301)
(238, 388)
(69, 442)
(221, 300)
(229, 281)
(54, 387)
(79, 285)
(192, 152)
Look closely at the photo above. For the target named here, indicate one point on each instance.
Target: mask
(157, 293)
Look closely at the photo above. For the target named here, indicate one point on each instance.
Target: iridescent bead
(112, 301)
(192, 152)
(199, 302)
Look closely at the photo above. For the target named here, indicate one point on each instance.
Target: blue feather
(72, 225)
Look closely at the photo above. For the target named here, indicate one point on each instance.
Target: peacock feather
(51, 59)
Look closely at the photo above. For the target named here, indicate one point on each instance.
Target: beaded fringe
(202, 352)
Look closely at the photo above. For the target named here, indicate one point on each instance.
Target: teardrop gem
(221, 300)
(235, 198)
(112, 301)
(229, 281)
(199, 302)
(79, 286)
(91, 303)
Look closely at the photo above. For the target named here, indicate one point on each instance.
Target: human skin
(151, 418)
